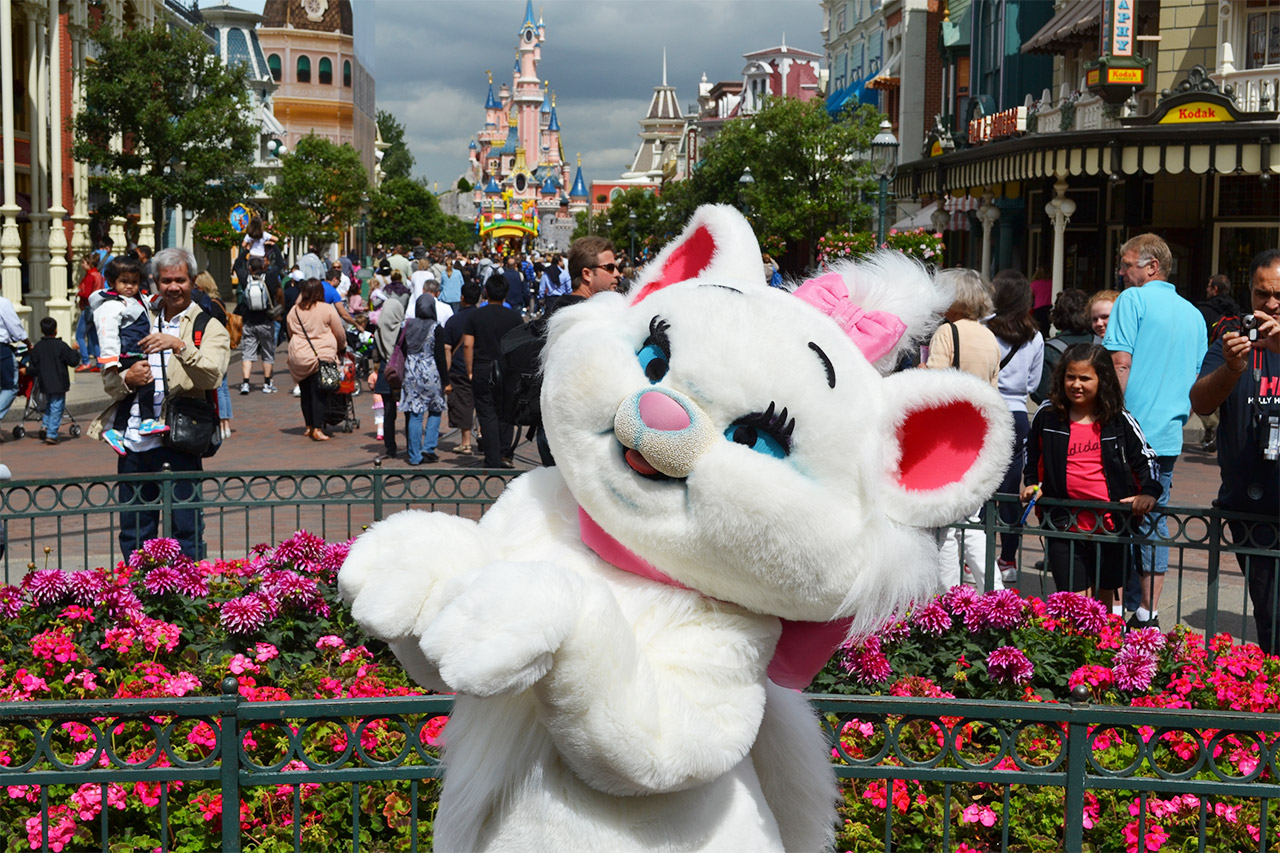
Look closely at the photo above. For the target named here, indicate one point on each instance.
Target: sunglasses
(606, 267)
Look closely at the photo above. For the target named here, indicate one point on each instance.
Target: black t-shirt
(488, 324)
(453, 337)
(1250, 483)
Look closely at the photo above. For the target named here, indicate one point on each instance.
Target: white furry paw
(501, 626)
(396, 569)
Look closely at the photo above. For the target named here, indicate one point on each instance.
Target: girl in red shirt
(1084, 445)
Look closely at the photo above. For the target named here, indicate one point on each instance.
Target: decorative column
(10, 240)
(81, 242)
(38, 230)
(58, 307)
(988, 215)
(1059, 209)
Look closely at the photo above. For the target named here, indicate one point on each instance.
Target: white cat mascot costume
(741, 483)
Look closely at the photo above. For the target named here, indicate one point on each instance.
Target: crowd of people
(1114, 383)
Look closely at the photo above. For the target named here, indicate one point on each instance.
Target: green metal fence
(74, 523)
(944, 749)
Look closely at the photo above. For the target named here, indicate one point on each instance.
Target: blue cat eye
(653, 361)
(756, 439)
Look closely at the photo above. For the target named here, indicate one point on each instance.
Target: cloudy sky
(602, 58)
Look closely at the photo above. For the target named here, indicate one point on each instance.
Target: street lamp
(884, 161)
(744, 186)
(632, 217)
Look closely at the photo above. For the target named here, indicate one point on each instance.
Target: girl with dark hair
(315, 335)
(1021, 360)
(1084, 445)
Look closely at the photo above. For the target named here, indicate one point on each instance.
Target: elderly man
(1241, 373)
(1157, 341)
(187, 356)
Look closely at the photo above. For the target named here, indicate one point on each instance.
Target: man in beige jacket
(181, 360)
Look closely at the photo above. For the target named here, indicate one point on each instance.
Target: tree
(397, 162)
(321, 191)
(183, 116)
(615, 222)
(808, 169)
(402, 210)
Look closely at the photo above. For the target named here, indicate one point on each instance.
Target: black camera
(1249, 327)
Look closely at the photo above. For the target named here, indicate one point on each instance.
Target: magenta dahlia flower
(1001, 610)
(934, 620)
(1086, 615)
(246, 614)
(867, 663)
(1008, 664)
(45, 586)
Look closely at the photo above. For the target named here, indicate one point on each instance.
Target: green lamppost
(884, 161)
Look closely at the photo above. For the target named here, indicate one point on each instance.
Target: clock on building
(315, 9)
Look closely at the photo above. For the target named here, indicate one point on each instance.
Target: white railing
(1255, 89)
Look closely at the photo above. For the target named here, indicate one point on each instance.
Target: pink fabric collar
(804, 647)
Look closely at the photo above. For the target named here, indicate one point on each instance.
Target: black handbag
(192, 421)
(329, 377)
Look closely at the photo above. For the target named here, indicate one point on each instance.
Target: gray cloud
(602, 58)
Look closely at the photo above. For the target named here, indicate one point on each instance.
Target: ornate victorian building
(323, 87)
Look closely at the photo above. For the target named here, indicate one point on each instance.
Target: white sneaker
(244, 387)
(297, 390)
(269, 388)
(1008, 571)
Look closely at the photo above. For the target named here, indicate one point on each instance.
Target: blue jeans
(87, 337)
(53, 414)
(1151, 559)
(143, 523)
(8, 379)
(417, 444)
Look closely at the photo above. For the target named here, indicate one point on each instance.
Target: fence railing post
(989, 519)
(1211, 585)
(166, 500)
(230, 738)
(378, 476)
(1077, 768)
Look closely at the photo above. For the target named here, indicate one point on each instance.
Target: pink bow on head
(875, 333)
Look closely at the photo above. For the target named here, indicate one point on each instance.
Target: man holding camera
(1241, 373)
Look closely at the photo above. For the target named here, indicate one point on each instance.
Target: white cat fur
(599, 710)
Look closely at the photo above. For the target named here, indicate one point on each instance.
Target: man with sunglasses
(592, 269)
(1157, 342)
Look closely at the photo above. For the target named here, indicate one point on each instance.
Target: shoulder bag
(192, 421)
(395, 363)
(329, 376)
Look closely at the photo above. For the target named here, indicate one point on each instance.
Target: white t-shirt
(133, 440)
(258, 247)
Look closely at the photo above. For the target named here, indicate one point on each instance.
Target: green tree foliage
(321, 191)
(402, 210)
(398, 161)
(183, 117)
(615, 223)
(808, 171)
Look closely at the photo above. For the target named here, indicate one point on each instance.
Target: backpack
(1227, 323)
(256, 295)
(517, 374)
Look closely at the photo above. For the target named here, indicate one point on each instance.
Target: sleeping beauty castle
(517, 167)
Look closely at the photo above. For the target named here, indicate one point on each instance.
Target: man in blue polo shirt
(1157, 342)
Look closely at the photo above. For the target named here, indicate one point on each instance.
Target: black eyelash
(776, 424)
(658, 335)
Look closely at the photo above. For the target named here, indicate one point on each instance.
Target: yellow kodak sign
(1125, 75)
(1197, 112)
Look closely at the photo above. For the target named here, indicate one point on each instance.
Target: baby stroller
(360, 342)
(37, 404)
(341, 411)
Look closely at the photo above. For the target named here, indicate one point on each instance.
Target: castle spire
(528, 16)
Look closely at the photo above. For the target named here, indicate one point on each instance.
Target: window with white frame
(1261, 34)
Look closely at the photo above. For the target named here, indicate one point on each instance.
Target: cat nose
(660, 412)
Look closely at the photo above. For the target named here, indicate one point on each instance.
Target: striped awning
(1129, 151)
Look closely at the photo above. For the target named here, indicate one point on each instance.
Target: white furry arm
(394, 574)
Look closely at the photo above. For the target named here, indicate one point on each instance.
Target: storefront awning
(855, 92)
(1075, 24)
(887, 77)
(1245, 148)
